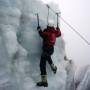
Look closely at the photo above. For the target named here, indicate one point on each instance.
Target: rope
(75, 31)
(72, 28)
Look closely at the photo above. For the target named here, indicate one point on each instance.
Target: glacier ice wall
(20, 46)
(70, 69)
(82, 79)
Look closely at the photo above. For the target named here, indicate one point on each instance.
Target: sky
(76, 13)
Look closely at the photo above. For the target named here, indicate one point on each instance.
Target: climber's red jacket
(49, 36)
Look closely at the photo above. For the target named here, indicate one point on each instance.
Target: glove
(38, 28)
(57, 27)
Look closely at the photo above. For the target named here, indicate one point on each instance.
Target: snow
(20, 47)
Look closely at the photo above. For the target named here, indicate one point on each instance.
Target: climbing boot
(54, 68)
(43, 81)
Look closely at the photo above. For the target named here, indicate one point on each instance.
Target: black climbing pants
(46, 56)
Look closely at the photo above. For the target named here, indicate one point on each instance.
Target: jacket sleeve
(42, 33)
(58, 32)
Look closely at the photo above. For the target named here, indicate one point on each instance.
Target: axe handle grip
(38, 19)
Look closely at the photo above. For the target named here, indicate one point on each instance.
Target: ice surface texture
(20, 47)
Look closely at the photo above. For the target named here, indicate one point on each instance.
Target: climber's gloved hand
(57, 28)
(38, 28)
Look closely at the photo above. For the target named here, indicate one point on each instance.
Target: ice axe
(58, 18)
(48, 14)
(37, 19)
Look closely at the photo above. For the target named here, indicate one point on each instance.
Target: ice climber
(49, 36)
